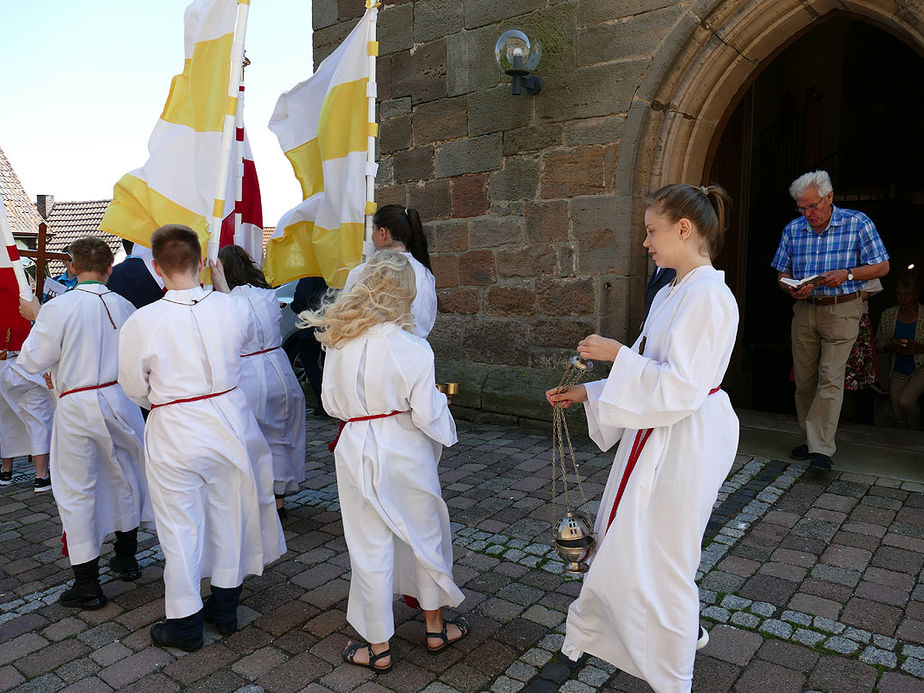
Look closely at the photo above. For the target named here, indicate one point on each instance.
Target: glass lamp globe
(516, 54)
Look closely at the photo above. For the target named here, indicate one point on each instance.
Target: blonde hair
(384, 293)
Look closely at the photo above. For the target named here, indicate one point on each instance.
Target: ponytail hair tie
(703, 190)
(405, 211)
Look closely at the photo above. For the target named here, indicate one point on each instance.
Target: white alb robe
(97, 454)
(27, 408)
(639, 605)
(395, 521)
(271, 387)
(424, 306)
(209, 468)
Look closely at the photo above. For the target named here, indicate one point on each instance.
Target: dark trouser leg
(221, 608)
(184, 633)
(280, 508)
(310, 353)
(124, 564)
(86, 592)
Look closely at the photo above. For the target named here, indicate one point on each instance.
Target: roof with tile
(22, 214)
(69, 221)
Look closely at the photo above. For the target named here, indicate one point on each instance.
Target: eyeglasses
(810, 208)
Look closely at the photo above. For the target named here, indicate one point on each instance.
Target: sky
(82, 84)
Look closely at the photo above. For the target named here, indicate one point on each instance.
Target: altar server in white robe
(379, 380)
(267, 377)
(97, 455)
(27, 408)
(398, 228)
(209, 468)
(639, 605)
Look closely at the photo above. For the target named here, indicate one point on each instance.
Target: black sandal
(356, 645)
(460, 623)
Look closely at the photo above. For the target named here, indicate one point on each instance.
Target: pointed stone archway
(695, 80)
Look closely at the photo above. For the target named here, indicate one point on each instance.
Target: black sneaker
(224, 628)
(820, 462)
(125, 568)
(42, 485)
(6, 477)
(86, 597)
(161, 634)
(800, 452)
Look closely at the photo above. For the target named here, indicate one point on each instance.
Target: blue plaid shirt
(849, 241)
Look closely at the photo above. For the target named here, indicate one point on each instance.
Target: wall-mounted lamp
(517, 56)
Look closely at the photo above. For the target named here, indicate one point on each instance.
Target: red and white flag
(13, 327)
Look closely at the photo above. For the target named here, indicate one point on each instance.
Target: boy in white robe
(97, 458)
(267, 377)
(379, 380)
(27, 408)
(639, 605)
(209, 468)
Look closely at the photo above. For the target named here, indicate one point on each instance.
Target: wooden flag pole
(227, 133)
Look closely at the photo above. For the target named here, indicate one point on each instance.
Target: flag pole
(371, 93)
(227, 133)
(6, 235)
(239, 162)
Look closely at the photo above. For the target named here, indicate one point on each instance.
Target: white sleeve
(424, 306)
(429, 409)
(42, 348)
(133, 363)
(603, 434)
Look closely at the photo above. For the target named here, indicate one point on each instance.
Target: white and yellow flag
(179, 182)
(323, 126)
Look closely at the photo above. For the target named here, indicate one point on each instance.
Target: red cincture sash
(262, 351)
(641, 437)
(88, 387)
(333, 444)
(193, 399)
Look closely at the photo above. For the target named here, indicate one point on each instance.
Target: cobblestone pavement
(809, 581)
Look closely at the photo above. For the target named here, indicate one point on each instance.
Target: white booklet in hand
(796, 283)
(53, 288)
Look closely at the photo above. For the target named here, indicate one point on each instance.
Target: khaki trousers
(822, 337)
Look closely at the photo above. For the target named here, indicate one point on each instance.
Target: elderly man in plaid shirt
(837, 250)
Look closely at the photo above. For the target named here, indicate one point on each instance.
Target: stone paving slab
(808, 581)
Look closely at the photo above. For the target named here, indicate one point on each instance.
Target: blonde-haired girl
(379, 380)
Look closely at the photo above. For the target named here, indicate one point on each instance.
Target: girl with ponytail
(639, 605)
(398, 228)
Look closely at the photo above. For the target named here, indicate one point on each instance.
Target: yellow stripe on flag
(306, 163)
(372, 47)
(135, 207)
(338, 135)
(373, 129)
(218, 209)
(199, 96)
(307, 250)
(371, 207)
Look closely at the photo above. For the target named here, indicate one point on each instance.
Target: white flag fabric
(178, 183)
(323, 127)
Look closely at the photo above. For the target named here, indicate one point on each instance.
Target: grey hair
(820, 180)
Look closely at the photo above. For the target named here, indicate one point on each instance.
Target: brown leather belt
(831, 300)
